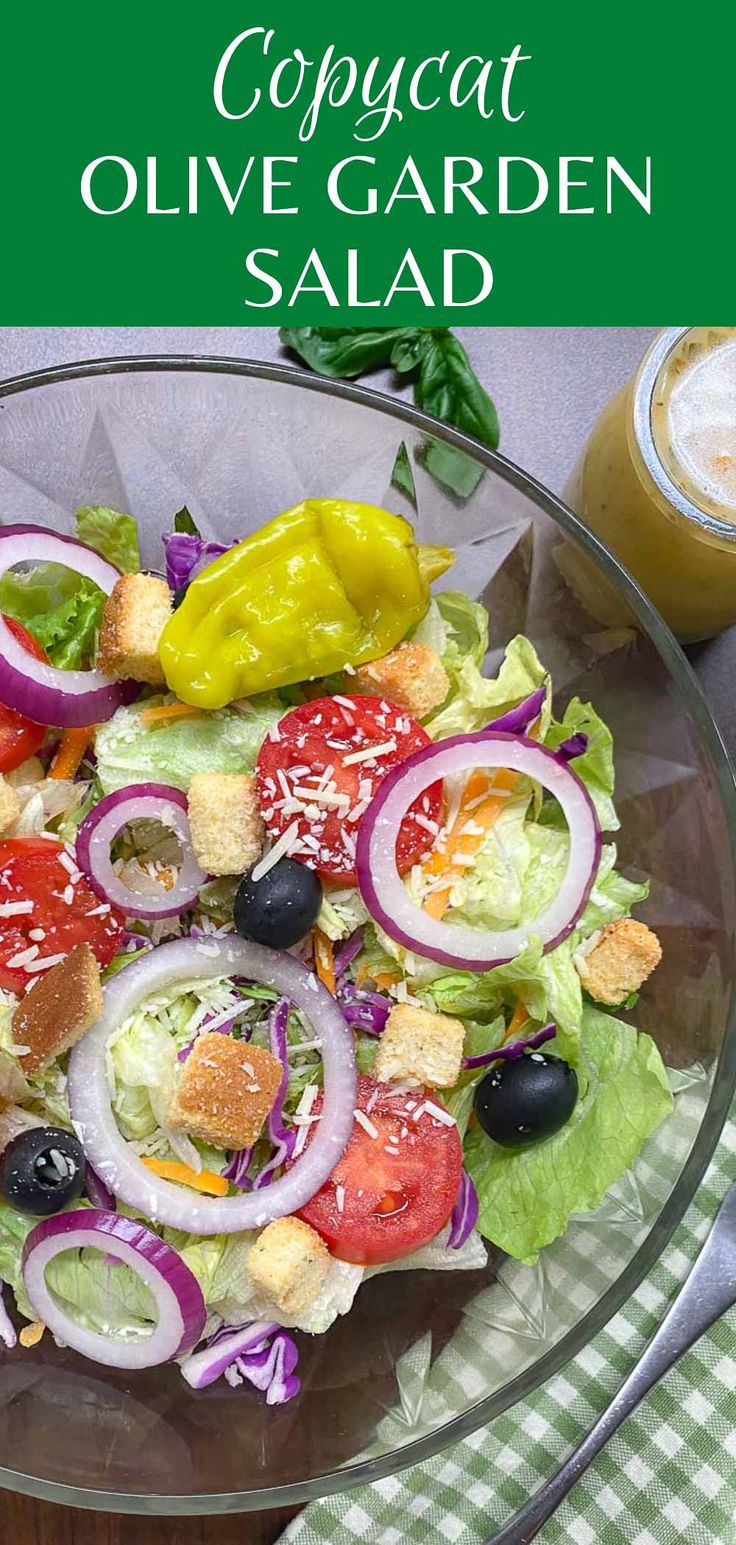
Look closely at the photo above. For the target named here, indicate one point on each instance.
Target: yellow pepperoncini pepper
(327, 584)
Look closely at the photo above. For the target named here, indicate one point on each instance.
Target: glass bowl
(405, 1373)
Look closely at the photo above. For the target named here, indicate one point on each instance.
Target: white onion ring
(40, 691)
(115, 1161)
(138, 802)
(181, 1307)
(383, 889)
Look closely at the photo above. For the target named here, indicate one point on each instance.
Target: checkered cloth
(668, 1476)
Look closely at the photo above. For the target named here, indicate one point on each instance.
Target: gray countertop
(549, 384)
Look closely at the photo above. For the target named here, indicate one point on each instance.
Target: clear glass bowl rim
(724, 1082)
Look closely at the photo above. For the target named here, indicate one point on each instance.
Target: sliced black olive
(179, 596)
(42, 1170)
(523, 1101)
(281, 907)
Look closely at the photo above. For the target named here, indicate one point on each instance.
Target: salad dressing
(657, 480)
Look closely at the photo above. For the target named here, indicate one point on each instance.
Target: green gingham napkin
(668, 1476)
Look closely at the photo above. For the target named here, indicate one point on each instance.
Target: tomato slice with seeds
(19, 737)
(64, 910)
(321, 766)
(393, 1192)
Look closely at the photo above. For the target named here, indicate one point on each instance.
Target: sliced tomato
(65, 911)
(19, 737)
(307, 774)
(393, 1191)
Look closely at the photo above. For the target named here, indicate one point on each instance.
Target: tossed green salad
(313, 946)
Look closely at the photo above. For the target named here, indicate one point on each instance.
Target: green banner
(267, 162)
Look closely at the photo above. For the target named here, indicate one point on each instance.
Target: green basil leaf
(402, 476)
(343, 351)
(448, 387)
(183, 522)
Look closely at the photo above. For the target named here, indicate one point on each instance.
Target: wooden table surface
(25, 1522)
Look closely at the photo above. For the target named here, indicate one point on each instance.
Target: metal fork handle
(706, 1294)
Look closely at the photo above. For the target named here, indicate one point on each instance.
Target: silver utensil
(706, 1294)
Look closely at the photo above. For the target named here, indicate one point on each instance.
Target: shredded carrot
(382, 979)
(205, 1180)
(168, 711)
(74, 743)
(518, 1018)
(324, 960)
(461, 845)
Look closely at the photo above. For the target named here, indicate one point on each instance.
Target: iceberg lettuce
(130, 750)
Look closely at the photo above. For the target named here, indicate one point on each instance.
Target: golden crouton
(623, 956)
(225, 1091)
(412, 676)
(60, 1008)
(289, 1263)
(133, 620)
(417, 1044)
(225, 822)
(10, 805)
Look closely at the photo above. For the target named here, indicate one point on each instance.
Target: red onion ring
(138, 802)
(181, 1307)
(383, 890)
(31, 687)
(115, 1161)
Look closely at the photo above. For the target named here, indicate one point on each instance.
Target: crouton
(10, 805)
(225, 1091)
(61, 1006)
(288, 1264)
(417, 1044)
(623, 956)
(134, 617)
(225, 822)
(412, 676)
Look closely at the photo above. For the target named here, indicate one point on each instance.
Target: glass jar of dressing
(657, 479)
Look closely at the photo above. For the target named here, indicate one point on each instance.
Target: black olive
(281, 907)
(521, 1102)
(179, 596)
(42, 1170)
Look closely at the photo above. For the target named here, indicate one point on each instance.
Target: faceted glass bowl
(406, 1372)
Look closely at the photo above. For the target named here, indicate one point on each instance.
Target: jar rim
(646, 379)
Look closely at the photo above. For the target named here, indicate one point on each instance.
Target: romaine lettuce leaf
(172, 750)
(113, 535)
(475, 699)
(491, 893)
(61, 609)
(456, 628)
(595, 766)
(548, 985)
(527, 1195)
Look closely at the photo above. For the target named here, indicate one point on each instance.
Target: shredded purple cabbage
(464, 1214)
(575, 745)
(271, 1370)
(364, 1010)
(8, 1333)
(518, 719)
(186, 555)
(513, 1050)
(347, 952)
(236, 1169)
(262, 1352)
(283, 1138)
